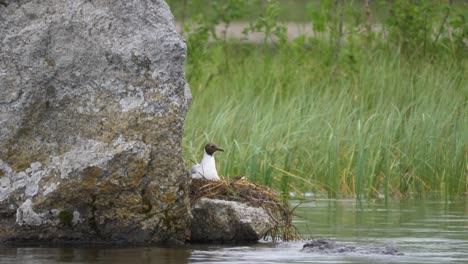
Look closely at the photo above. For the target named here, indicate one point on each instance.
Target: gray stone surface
(92, 105)
(325, 246)
(226, 221)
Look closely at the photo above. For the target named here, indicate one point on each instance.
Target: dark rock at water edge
(326, 246)
(92, 105)
(228, 221)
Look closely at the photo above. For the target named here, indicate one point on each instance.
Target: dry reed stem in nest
(240, 189)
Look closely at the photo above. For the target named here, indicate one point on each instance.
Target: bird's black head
(211, 148)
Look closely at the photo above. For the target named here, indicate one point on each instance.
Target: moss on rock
(65, 217)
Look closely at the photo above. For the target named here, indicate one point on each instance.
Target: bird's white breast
(205, 169)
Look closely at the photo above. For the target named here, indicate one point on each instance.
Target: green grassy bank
(383, 126)
(375, 116)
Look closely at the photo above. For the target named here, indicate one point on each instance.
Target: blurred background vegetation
(371, 101)
(290, 10)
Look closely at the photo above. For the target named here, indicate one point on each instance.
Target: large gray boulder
(92, 105)
(228, 221)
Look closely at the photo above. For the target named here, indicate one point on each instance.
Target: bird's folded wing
(196, 170)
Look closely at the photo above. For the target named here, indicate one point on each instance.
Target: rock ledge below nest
(227, 221)
(233, 210)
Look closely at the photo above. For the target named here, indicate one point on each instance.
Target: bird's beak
(220, 149)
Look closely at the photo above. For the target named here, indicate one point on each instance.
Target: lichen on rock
(92, 104)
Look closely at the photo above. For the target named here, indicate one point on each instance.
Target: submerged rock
(92, 104)
(226, 221)
(331, 247)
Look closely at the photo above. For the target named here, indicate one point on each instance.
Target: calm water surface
(425, 231)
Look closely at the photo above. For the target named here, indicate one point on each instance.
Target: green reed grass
(379, 127)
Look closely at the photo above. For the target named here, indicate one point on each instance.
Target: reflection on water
(116, 255)
(426, 232)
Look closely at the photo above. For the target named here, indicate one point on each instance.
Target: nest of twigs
(240, 189)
